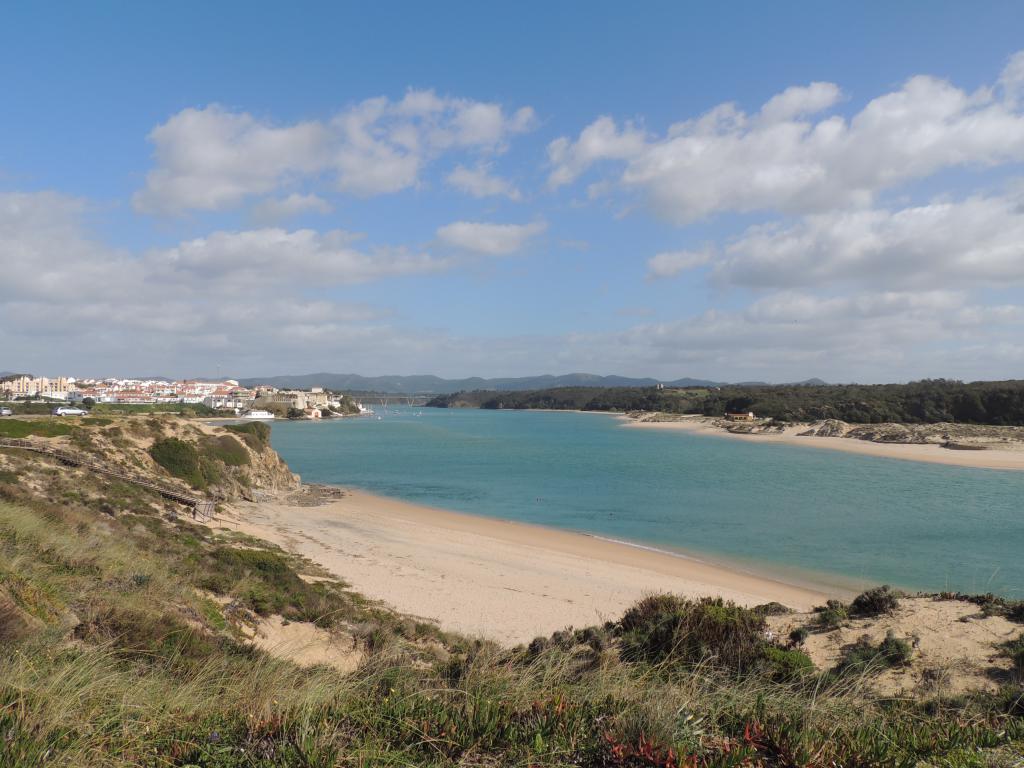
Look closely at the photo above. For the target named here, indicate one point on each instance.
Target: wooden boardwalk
(203, 509)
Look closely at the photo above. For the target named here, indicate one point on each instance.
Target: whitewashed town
(69, 394)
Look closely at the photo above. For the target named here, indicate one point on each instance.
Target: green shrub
(784, 665)
(266, 583)
(256, 434)
(211, 471)
(226, 449)
(180, 459)
(830, 616)
(874, 602)
(799, 635)
(772, 609)
(891, 652)
(144, 632)
(675, 629)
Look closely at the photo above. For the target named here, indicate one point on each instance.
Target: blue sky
(474, 189)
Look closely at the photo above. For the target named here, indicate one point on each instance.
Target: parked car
(6, 412)
(65, 410)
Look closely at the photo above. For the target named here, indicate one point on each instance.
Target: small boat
(258, 415)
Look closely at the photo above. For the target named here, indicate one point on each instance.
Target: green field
(35, 428)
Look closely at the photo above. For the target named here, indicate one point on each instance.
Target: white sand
(307, 645)
(506, 581)
(988, 459)
(956, 646)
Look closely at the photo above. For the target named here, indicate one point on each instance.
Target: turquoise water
(860, 518)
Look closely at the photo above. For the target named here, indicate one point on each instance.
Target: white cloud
(489, 239)
(726, 160)
(672, 263)
(1012, 79)
(480, 182)
(215, 158)
(252, 302)
(880, 336)
(44, 256)
(976, 241)
(277, 209)
(276, 256)
(799, 100)
(601, 140)
(252, 297)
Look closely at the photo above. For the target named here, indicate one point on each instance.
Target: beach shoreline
(993, 458)
(503, 580)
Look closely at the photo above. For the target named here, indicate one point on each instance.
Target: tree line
(919, 402)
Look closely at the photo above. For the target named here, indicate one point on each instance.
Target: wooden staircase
(202, 509)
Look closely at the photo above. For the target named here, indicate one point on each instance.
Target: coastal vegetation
(127, 409)
(180, 459)
(208, 460)
(875, 602)
(256, 434)
(999, 403)
(115, 655)
(127, 638)
(19, 428)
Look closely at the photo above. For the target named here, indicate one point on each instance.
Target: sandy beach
(506, 581)
(988, 459)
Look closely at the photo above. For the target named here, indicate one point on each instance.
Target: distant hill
(996, 403)
(434, 385)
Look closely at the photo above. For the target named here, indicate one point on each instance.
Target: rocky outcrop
(974, 437)
(827, 428)
(226, 464)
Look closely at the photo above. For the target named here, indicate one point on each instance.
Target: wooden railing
(203, 508)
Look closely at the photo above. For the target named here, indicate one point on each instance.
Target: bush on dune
(787, 664)
(203, 465)
(875, 602)
(864, 656)
(830, 616)
(256, 434)
(266, 583)
(180, 459)
(667, 628)
(226, 449)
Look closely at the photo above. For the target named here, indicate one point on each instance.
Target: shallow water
(805, 512)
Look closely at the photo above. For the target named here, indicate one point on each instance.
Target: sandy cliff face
(264, 471)
(229, 465)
